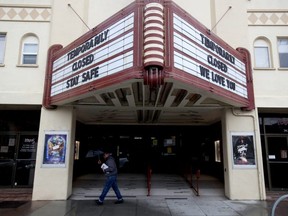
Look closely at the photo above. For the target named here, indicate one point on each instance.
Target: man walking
(110, 170)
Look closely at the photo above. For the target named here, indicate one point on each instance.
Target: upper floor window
(283, 52)
(2, 47)
(262, 54)
(29, 50)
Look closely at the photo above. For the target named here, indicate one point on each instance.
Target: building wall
(238, 23)
(58, 24)
(269, 22)
(242, 182)
(55, 183)
(22, 84)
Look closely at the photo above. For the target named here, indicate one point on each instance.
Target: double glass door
(17, 159)
(277, 160)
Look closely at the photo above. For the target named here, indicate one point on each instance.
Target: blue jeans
(111, 181)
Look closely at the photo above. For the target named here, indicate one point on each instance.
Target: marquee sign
(144, 36)
(211, 63)
(86, 62)
(198, 55)
(103, 52)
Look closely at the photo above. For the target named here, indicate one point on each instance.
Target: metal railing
(193, 179)
(277, 202)
(149, 175)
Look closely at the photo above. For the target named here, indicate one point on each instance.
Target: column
(55, 154)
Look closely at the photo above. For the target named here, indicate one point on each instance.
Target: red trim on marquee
(154, 73)
(249, 77)
(175, 73)
(47, 85)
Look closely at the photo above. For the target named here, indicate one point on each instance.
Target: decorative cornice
(271, 17)
(25, 13)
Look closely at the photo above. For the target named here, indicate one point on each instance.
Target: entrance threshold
(169, 186)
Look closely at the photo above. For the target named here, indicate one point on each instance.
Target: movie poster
(243, 150)
(55, 149)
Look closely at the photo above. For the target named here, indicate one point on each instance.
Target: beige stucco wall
(69, 27)
(23, 84)
(55, 183)
(270, 84)
(242, 182)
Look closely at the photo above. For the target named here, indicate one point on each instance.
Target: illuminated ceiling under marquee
(123, 62)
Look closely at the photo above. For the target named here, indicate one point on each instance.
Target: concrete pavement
(170, 195)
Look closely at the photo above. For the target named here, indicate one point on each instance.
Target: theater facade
(184, 75)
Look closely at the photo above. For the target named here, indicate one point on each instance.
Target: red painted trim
(125, 75)
(160, 49)
(209, 51)
(169, 31)
(153, 35)
(207, 86)
(153, 29)
(93, 65)
(211, 68)
(93, 50)
(204, 30)
(153, 63)
(160, 57)
(174, 73)
(152, 78)
(133, 72)
(153, 42)
(152, 1)
(153, 8)
(153, 15)
(47, 84)
(99, 28)
(154, 22)
(139, 36)
(250, 84)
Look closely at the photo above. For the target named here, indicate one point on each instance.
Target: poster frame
(57, 160)
(250, 154)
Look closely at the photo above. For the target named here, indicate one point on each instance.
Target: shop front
(274, 139)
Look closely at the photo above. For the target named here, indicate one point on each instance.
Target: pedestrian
(110, 169)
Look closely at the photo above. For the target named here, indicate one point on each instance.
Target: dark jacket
(112, 168)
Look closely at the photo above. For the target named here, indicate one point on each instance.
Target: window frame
(2, 56)
(262, 43)
(26, 53)
(278, 51)
(27, 40)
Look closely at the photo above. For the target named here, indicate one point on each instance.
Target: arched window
(262, 53)
(29, 50)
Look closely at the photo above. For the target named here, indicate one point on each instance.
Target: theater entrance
(169, 151)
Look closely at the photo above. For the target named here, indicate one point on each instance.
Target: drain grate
(175, 198)
(11, 204)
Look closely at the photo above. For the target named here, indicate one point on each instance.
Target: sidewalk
(147, 206)
(169, 197)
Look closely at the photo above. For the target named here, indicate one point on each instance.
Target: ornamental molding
(25, 13)
(267, 18)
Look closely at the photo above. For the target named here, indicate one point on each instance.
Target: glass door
(17, 159)
(277, 159)
(26, 158)
(7, 158)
